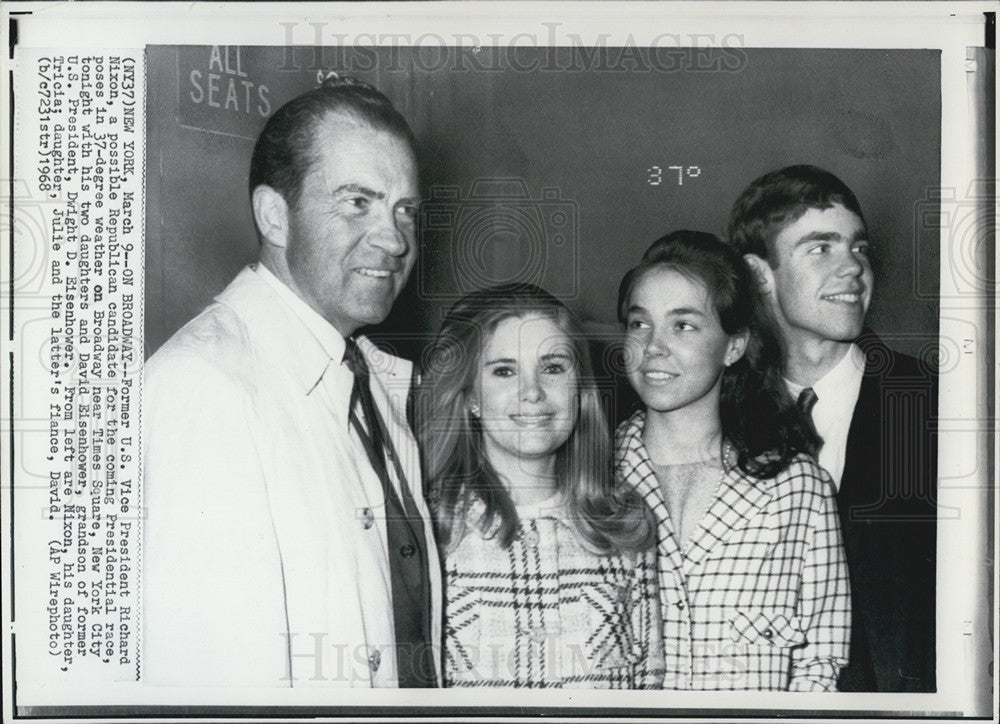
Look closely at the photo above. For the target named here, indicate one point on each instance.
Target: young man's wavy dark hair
(779, 198)
(284, 151)
(759, 418)
(605, 518)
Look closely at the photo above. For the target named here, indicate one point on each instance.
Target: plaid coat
(759, 597)
(548, 613)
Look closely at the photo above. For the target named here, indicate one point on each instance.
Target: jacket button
(532, 538)
(768, 633)
(367, 518)
(680, 604)
(408, 551)
(537, 634)
(622, 593)
(375, 659)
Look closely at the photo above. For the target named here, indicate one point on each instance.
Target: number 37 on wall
(655, 175)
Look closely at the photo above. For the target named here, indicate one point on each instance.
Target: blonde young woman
(550, 572)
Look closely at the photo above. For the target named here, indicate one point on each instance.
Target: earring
(474, 409)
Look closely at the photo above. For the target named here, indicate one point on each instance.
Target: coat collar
(274, 325)
(738, 500)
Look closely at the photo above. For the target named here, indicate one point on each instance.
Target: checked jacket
(546, 613)
(759, 598)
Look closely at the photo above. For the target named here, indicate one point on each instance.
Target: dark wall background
(537, 164)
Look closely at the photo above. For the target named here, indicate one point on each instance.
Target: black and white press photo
(378, 361)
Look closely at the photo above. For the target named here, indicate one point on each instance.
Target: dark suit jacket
(888, 505)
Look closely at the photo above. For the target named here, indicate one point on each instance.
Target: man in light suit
(287, 542)
(802, 231)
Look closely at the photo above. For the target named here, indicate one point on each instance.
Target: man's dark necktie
(806, 402)
(405, 536)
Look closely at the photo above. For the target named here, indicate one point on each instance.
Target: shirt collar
(551, 507)
(325, 334)
(846, 374)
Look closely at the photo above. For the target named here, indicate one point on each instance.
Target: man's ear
(270, 211)
(762, 273)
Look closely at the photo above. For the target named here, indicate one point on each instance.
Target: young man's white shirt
(836, 395)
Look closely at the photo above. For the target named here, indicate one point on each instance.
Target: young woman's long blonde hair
(456, 469)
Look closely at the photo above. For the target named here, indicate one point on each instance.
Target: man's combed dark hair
(605, 518)
(778, 199)
(759, 418)
(284, 152)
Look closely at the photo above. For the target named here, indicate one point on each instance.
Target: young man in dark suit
(802, 231)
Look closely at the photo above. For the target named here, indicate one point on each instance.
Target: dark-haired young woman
(754, 587)
(550, 574)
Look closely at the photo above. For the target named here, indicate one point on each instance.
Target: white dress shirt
(836, 395)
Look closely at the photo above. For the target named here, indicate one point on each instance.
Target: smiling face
(526, 390)
(351, 241)
(819, 281)
(676, 349)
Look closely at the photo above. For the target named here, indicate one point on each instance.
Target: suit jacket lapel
(864, 446)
